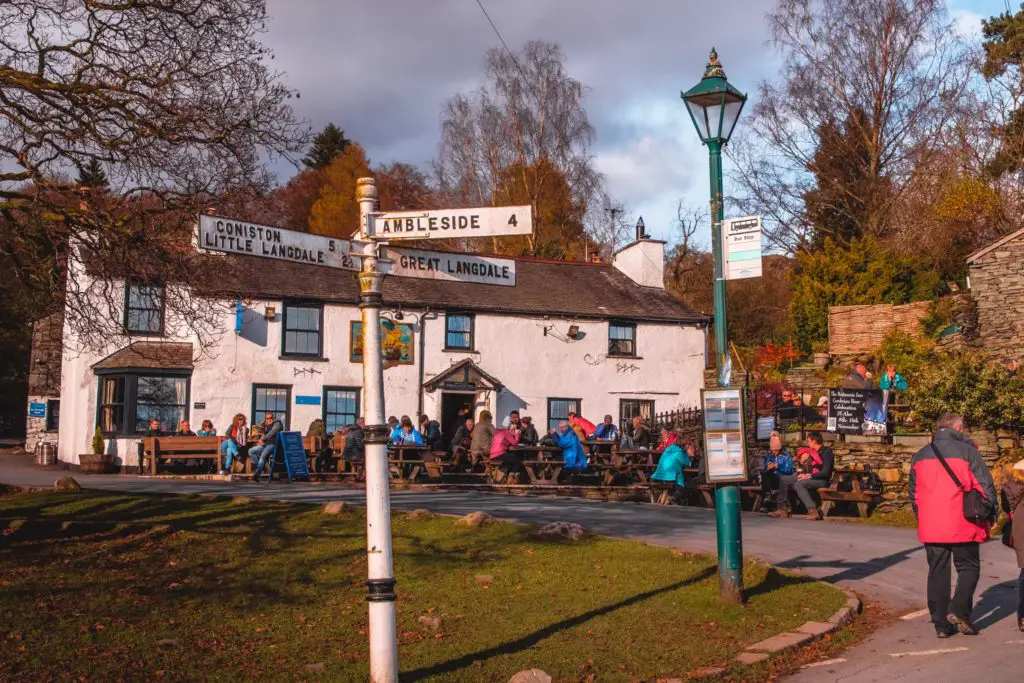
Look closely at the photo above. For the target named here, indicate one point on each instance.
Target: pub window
(129, 400)
(559, 409)
(458, 332)
(144, 309)
(341, 407)
(621, 339)
(52, 414)
(271, 398)
(302, 330)
(631, 407)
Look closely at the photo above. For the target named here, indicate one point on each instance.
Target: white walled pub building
(595, 338)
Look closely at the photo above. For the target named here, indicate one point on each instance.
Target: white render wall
(513, 349)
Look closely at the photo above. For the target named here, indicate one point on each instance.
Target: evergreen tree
(1004, 53)
(329, 143)
(92, 175)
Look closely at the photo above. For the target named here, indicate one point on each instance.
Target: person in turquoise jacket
(573, 455)
(892, 380)
(672, 462)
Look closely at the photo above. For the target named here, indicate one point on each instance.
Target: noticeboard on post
(857, 411)
(725, 447)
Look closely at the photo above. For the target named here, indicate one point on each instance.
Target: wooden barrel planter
(90, 463)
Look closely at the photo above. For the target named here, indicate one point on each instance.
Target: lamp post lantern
(714, 106)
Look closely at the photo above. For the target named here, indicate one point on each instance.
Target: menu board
(857, 411)
(724, 435)
(290, 444)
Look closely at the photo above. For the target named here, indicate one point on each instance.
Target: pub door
(452, 404)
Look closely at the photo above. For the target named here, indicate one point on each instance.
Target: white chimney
(643, 261)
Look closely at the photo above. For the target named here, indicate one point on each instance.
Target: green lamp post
(714, 107)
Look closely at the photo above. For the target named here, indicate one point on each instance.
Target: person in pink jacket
(941, 526)
(508, 462)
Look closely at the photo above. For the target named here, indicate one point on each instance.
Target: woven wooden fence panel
(860, 329)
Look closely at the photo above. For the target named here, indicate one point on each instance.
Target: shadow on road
(848, 570)
(995, 604)
(532, 639)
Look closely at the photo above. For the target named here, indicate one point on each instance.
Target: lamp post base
(730, 544)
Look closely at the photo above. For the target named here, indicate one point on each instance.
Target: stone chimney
(643, 261)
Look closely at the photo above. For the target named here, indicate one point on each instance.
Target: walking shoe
(256, 478)
(781, 513)
(944, 632)
(814, 515)
(1020, 623)
(962, 625)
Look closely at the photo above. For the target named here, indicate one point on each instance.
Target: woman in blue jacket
(777, 462)
(671, 464)
(573, 455)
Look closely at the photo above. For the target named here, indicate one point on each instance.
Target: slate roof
(167, 355)
(995, 245)
(543, 287)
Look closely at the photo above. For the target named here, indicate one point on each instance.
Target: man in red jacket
(941, 526)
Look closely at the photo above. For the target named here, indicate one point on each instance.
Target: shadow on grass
(532, 639)
(775, 580)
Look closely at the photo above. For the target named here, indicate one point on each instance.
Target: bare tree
(890, 72)
(174, 100)
(529, 116)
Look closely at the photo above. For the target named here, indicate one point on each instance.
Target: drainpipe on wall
(423, 363)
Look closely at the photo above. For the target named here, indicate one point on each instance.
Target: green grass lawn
(91, 583)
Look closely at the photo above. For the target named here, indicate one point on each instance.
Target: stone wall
(892, 461)
(997, 286)
(44, 376)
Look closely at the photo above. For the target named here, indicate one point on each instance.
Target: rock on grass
(66, 484)
(530, 676)
(336, 507)
(566, 530)
(431, 622)
(474, 520)
(242, 500)
(419, 514)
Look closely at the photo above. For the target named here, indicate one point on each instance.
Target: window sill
(306, 359)
(450, 350)
(624, 356)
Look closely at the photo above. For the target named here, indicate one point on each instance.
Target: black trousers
(967, 560)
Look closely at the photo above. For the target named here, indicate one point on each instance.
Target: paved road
(884, 564)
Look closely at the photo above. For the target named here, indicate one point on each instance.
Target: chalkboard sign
(856, 411)
(290, 444)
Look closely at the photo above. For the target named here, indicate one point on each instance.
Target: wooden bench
(707, 491)
(661, 492)
(181, 448)
(832, 495)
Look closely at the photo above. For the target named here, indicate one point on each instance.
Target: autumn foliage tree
(335, 212)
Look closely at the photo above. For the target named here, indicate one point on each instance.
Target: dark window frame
(319, 355)
(163, 309)
(323, 412)
(52, 424)
(578, 410)
(472, 331)
(253, 421)
(624, 421)
(624, 324)
(130, 376)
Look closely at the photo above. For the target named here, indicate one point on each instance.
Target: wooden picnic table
(403, 467)
(841, 476)
(543, 464)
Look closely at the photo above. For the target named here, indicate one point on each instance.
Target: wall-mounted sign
(725, 446)
(741, 240)
(199, 405)
(438, 265)
(307, 400)
(232, 236)
(396, 342)
(857, 411)
(491, 221)
(37, 410)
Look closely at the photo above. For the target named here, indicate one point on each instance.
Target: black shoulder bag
(977, 508)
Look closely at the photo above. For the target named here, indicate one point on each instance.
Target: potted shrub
(97, 462)
(821, 357)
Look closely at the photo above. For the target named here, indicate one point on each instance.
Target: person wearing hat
(1013, 504)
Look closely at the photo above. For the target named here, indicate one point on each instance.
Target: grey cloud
(382, 69)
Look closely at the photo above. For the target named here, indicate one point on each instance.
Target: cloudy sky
(382, 69)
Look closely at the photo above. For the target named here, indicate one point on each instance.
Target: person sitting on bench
(818, 476)
(206, 429)
(508, 463)
(265, 450)
(777, 463)
(527, 432)
(185, 429)
(671, 464)
(238, 437)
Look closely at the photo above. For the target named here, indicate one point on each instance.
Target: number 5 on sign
(489, 221)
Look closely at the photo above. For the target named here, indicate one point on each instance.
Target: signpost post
(377, 259)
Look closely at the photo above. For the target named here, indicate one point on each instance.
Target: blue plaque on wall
(39, 409)
(307, 400)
